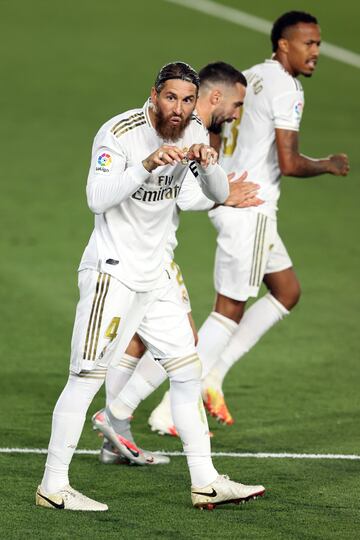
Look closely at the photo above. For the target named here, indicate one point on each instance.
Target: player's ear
(283, 45)
(153, 95)
(215, 97)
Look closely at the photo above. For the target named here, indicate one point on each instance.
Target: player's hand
(203, 154)
(339, 164)
(242, 194)
(165, 155)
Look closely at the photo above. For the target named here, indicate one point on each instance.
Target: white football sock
(148, 376)
(67, 424)
(190, 418)
(118, 375)
(214, 335)
(256, 321)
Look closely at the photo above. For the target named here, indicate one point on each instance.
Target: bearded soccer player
(221, 95)
(249, 248)
(139, 161)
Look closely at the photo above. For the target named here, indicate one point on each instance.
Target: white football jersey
(133, 207)
(274, 99)
(191, 197)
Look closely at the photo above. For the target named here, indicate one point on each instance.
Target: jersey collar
(146, 107)
(273, 61)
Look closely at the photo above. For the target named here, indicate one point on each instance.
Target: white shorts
(109, 313)
(180, 287)
(248, 247)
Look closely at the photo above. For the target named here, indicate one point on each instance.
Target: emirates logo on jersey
(156, 195)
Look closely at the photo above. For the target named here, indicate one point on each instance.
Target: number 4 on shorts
(111, 331)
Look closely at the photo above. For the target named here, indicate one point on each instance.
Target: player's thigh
(165, 329)
(243, 244)
(280, 277)
(136, 348)
(107, 316)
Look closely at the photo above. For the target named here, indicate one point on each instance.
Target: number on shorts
(179, 277)
(111, 331)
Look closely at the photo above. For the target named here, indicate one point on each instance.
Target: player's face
(173, 107)
(303, 48)
(229, 107)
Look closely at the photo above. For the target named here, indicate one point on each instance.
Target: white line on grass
(259, 455)
(241, 18)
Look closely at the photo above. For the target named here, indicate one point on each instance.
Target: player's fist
(339, 164)
(165, 155)
(203, 154)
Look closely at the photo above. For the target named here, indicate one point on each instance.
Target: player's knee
(230, 308)
(136, 348)
(289, 296)
(293, 295)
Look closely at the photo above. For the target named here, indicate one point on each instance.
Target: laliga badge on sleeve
(103, 163)
(298, 110)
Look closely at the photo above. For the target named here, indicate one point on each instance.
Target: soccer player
(221, 94)
(249, 248)
(139, 160)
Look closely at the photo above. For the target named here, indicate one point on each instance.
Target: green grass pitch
(66, 68)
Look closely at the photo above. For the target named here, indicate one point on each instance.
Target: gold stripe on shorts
(97, 288)
(108, 277)
(97, 307)
(261, 253)
(102, 287)
(255, 275)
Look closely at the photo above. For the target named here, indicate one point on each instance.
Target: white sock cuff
(229, 324)
(126, 362)
(184, 368)
(277, 304)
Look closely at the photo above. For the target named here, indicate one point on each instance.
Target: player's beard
(167, 131)
(215, 127)
(217, 123)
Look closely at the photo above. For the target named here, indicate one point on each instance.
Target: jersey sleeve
(191, 196)
(287, 110)
(110, 181)
(212, 180)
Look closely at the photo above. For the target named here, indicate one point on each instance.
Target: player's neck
(204, 112)
(282, 59)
